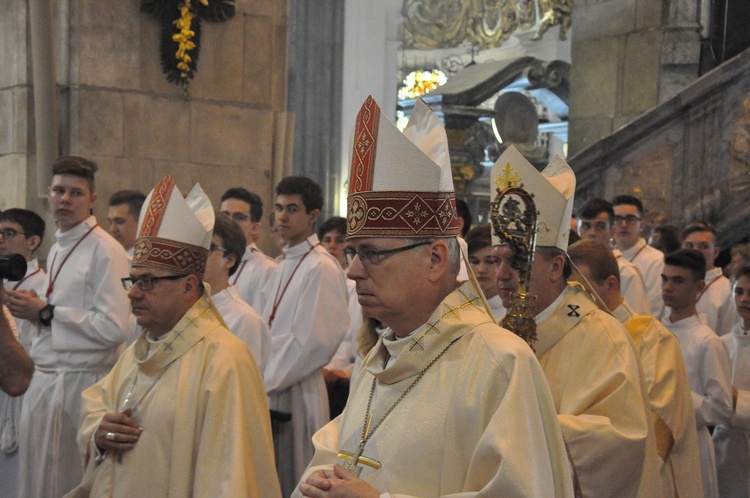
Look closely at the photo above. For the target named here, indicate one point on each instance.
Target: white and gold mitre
(400, 185)
(174, 233)
(553, 190)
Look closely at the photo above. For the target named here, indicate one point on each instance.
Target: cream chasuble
(480, 422)
(671, 401)
(598, 388)
(200, 400)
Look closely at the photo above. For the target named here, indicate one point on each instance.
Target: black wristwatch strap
(46, 314)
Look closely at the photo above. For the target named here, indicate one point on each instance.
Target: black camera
(12, 267)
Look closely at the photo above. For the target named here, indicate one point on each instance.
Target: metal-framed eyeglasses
(146, 283)
(10, 233)
(215, 247)
(374, 257)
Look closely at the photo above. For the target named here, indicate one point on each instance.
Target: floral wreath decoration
(181, 33)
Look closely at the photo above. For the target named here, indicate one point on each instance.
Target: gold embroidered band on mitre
(402, 214)
(170, 255)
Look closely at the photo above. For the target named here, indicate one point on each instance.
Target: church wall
(116, 107)
(687, 159)
(615, 67)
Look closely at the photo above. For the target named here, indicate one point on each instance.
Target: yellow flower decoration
(183, 38)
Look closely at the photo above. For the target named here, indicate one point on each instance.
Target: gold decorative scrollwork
(432, 24)
(555, 12)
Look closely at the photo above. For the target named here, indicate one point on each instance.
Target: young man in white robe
(732, 439)
(21, 232)
(338, 371)
(447, 403)
(666, 378)
(715, 302)
(306, 307)
(227, 247)
(183, 412)
(595, 223)
(628, 224)
(483, 262)
(705, 355)
(587, 356)
(122, 217)
(246, 209)
(81, 316)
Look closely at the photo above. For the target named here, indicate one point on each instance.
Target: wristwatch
(46, 314)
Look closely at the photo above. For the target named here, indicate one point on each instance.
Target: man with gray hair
(447, 402)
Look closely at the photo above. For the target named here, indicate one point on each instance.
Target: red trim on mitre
(170, 255)
(365, 146)
(157, 206)
(402, 214)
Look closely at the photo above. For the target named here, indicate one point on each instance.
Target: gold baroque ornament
(514, 221)
(433, 24)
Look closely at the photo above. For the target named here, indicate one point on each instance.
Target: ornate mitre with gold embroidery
(552, 191)
(529, 209)
(174, 233)
(400, 185)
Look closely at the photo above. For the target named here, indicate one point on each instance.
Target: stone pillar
(316, 37)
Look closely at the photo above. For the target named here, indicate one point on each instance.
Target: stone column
(316, 35)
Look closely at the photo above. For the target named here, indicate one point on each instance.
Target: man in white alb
(224, 256)
(715, 302)
(628, 223)
(306, 307)
(482, 262)
(706, 358)
(255, 269)
(595, 223)
(122, 217)
(21, 232)
(81, 316)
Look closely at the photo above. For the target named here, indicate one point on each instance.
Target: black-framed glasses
(10, 233)
(629, 219)
(215, 247)
(376, 256)
(146, 283)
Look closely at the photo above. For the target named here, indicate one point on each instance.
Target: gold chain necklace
(351, 465)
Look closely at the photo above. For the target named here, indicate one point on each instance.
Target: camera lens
(12, 267)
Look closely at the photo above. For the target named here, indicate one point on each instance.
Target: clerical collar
(76, 232)
(624, 312)
(301, 248)
(544, 315)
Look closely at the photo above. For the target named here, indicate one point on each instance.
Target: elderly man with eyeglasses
(447, 402)
(255, 268)
(627, 225)
(183, 412)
